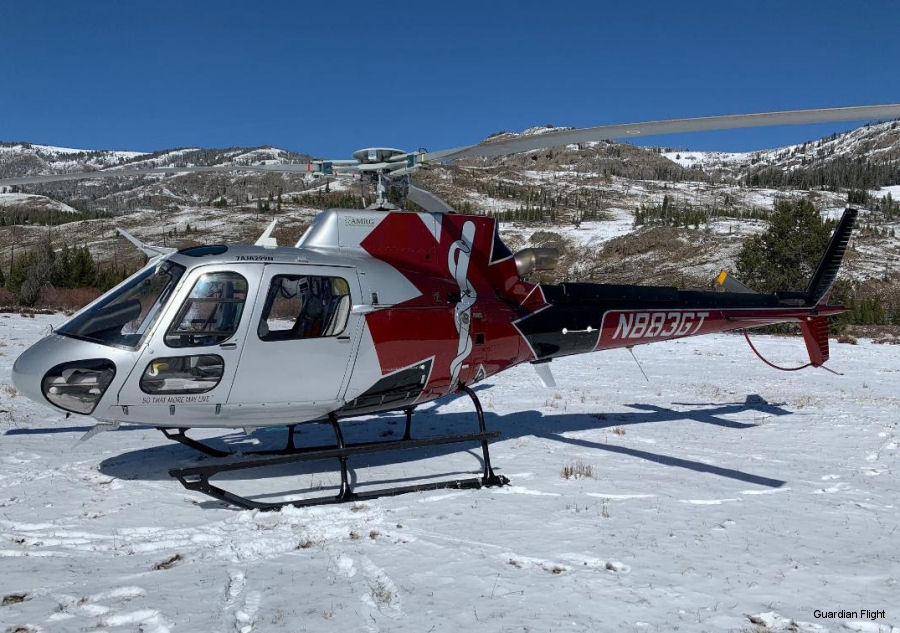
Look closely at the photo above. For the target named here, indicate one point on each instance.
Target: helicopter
(372, 311)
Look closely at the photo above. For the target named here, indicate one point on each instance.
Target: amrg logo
(651, 325)
(355, 220)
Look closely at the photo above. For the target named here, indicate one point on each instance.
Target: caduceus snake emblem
(458, 262)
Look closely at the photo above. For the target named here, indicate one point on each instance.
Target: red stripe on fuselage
(623, 328)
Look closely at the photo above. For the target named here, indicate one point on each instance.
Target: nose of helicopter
(63, 371)
(30, 367)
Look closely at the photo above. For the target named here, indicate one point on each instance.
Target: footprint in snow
(245, 617)
(839, 487)
(382, 593)
(234, 587)
(580, 560)
(707, 502)
(91, 607)
(770, 491)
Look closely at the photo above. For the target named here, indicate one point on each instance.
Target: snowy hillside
(32, 201)
(28, 158)
(722, 496)
(587, 195)
(873, 143)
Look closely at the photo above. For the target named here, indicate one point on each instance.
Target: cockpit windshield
(124, 317)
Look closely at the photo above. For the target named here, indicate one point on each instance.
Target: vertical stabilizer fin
(828, 267)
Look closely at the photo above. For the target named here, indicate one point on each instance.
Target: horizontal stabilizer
(729, 284)
(821, 281)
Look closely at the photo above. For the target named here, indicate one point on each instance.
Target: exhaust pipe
(531, 259)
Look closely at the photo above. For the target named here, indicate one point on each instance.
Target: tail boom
(580, 317)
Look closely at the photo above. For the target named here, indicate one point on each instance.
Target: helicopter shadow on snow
(153, 463)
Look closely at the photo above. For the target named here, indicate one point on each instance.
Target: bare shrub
(577, 470)
(67, 298)
(6, 297)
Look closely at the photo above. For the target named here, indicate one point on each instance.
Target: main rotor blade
(672, 126)
(121, 173)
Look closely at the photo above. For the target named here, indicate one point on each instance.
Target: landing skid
(198, 477)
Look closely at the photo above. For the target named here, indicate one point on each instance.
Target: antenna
(631, 351)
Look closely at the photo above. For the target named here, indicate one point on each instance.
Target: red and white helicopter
(370, 311)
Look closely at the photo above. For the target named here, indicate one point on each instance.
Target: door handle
(343, 339)
(228, 346)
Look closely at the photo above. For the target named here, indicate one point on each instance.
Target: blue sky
(328, 78)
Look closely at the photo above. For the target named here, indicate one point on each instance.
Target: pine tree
(784, 257)
(83, 270)
(18, 271)
(60, 276)
(39, 273)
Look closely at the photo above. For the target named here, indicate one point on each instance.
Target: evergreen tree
(784, 257)
(83, 270)
(18, 271)
(39, 274)
(60, 276)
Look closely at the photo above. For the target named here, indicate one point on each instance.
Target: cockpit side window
(211, 313)
(125, 316)
(304, 306)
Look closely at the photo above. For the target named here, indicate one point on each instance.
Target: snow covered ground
(33, 201)
(588, 233)
(723, 496)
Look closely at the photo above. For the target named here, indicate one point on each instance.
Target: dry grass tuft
(577, 470)
(382, 594)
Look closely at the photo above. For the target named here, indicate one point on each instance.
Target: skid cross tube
(180, 435)
(198, 477)
(489, 478)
